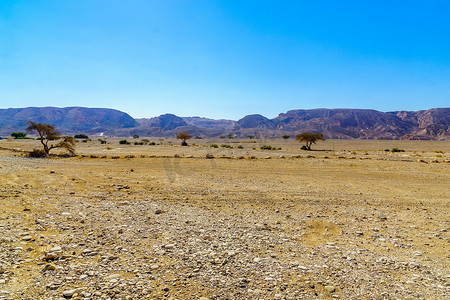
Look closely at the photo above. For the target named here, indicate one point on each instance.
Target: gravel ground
(195, 228)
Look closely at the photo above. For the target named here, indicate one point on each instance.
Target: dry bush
(37, 153)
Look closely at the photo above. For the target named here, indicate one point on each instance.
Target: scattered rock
(27, 238)
(49, 267)
(69, 293)
(55, 249)
(50, 256)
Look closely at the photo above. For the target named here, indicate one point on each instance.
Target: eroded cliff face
(433, 122)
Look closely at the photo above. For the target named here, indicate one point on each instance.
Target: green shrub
(240, 147)
(266, 147)
(304, 147)
(18, 135)
(139, 143)
(80, 136)
(214, 146)
(397, 150)
(124, 142)
(152, 143)
(226, 146)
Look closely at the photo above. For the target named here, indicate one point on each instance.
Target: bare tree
(309, 138)
(183, 136)
(48, 133)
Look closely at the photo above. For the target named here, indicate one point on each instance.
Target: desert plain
(346, 221)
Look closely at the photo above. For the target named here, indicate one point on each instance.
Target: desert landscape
(348, 220)
(224, 150)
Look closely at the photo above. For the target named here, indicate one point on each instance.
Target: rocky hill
(344, 123)
(68, 120)
(433, 122)
(256, 121)
(210, 123)
(333, 123)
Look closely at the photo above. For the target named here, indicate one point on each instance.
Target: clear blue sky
(225, 59)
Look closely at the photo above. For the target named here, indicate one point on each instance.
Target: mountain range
(333, 123)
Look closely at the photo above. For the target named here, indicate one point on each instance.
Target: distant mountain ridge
(68, 119)
(333, 123)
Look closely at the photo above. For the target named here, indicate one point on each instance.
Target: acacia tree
(18, 135)
(183, 136)
(48, 133)
(309, 138)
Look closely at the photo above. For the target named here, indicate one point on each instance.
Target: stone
(27, 238)
(169, 246)
(113, 276)
(55, 249)
(48, 267)
(50, 256)
(69, 293)
(330, 288)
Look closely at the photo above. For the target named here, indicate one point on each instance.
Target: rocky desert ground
(347, 221)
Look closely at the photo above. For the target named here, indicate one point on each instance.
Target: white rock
(69, 293)
(330, 288)
(55, 249)
(113, 276)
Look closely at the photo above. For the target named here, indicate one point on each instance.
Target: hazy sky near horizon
(225, 59)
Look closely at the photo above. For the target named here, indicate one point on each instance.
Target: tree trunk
(46, 150)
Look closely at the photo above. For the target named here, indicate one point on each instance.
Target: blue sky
(225, 59)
